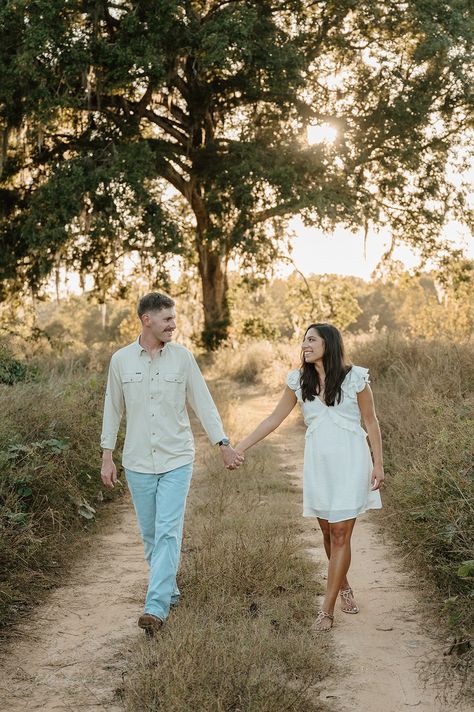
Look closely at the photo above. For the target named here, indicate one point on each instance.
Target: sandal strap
(322, 614)
(346, 592)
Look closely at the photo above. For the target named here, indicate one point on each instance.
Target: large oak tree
(173, 127)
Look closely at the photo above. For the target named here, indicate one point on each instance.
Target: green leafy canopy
(180, 128)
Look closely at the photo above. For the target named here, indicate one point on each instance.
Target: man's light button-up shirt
(170, 379)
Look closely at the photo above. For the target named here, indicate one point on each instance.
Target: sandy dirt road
(69, 655)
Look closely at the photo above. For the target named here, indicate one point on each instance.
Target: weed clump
(12, 370)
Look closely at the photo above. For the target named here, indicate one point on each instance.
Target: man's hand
(108, 471)
(232, 458)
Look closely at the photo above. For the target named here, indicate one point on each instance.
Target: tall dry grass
(256, 362)
(240, 638)
(425, 402)
(50, 489)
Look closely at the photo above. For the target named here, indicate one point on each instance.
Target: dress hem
(324, 515)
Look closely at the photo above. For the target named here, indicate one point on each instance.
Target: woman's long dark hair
(335, 367)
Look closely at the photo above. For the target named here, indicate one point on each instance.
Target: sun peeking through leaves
(321, 133)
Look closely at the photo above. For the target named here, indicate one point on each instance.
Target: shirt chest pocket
(132, 385)
(173, 387)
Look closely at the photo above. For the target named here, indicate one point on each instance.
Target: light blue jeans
(159, 502)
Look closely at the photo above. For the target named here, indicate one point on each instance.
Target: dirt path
(69, 656)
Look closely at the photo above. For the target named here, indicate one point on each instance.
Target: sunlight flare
(321, 133)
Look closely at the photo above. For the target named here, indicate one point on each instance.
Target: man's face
(161, 323)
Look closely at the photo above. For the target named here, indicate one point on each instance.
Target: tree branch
(142, 103)
(178, 82)
(178, 113)
(283, 210)
(287, 258)
(168, 126)
(168, 172)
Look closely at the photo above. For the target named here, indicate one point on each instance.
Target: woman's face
(312, 347)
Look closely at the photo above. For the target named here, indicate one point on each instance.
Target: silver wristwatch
(225, 441)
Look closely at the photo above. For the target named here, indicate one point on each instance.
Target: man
(151, 379)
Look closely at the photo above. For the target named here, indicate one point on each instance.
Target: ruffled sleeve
(293, 379)
(355, 381)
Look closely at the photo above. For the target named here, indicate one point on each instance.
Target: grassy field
(241, 637)
(425, 401)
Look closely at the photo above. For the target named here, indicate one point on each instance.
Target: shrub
(11, 369)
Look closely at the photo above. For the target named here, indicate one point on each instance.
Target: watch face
(225, 441)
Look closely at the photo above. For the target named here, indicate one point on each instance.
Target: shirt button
(151, 397)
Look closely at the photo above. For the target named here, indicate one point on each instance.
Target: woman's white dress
(337, 460)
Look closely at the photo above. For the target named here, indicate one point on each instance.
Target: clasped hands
(232, 458)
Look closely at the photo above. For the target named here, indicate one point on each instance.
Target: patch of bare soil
(68, 653)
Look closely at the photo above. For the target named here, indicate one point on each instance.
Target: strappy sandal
(319, 619)
(348, 605)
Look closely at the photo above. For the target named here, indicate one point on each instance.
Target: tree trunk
(212, 264)
(213, 272)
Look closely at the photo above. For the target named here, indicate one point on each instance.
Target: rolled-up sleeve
(113, 407)
(202, 403)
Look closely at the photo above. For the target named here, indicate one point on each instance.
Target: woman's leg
(340, 558)
(325, 528)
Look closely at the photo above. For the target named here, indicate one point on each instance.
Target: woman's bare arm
(284, 407)
(367, 408)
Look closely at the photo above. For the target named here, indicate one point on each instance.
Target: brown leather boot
(150, 622)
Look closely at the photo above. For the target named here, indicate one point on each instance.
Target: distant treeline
(417, 306)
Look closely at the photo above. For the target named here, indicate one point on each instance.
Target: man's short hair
(154, 301)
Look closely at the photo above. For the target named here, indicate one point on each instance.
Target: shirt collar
(138, 345)
(140, 348)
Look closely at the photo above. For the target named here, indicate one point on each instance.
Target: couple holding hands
(152, 378)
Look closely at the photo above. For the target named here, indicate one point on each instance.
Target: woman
(339, 480)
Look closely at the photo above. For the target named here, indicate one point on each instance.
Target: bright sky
(343, 251)
(315, 252)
